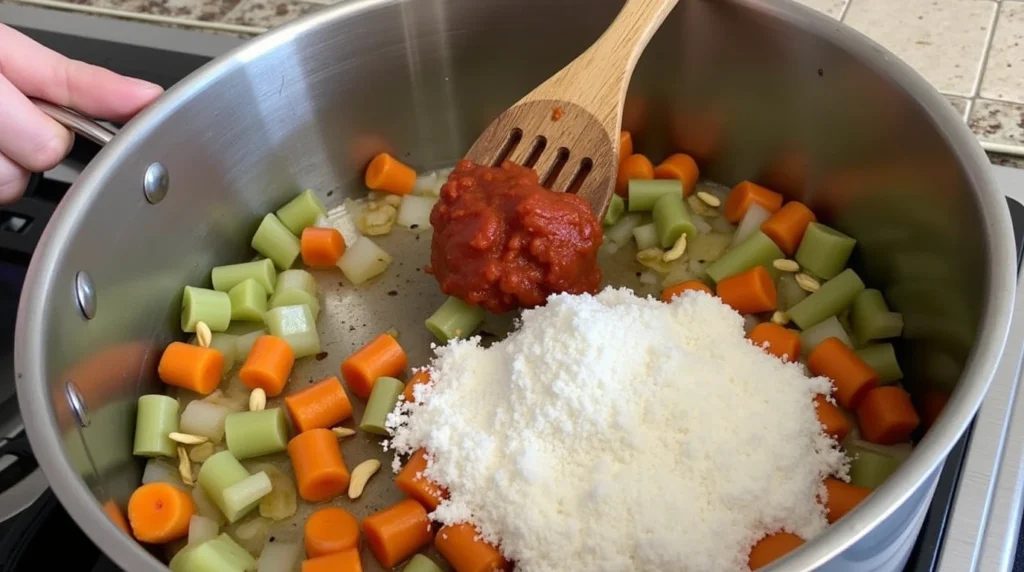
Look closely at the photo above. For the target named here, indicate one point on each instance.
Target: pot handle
(76, 122)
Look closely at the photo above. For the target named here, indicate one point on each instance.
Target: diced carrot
(749, 292)
(745, 194)
(833, 421)
(329, 530)
(932, 404)
(418, 378)
(466, 552)
(625, 145)
(397, 532)
(668, 294)
(851, 376)
(382, 357)
(345, 561)
(321, 247)
(191, 367)
(842, 498)
(320, 406)
(771, 548)
(782, 343)
(635, 166)
(412, 482)
(320, 472)
(390, 175)
(159, 513)
(682, 167)
(887, 416)
(268, 365)
(115, 515)
(787, 226)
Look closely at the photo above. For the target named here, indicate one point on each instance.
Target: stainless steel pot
(770, 91)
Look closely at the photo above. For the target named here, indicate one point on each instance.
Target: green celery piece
(882, 359)
(824, 251)
(301, 212)
(295, 297)
(870, 468)
(646, 236)
(220, 471)
(454, 319)
(831, 298)
(256, 433)
(871, 318)
(383, 398)
(248, 301)
(262, 271)
(276, 242)
(616, 208)
(243, 496)
(157, 418)
(756, 250)
(421, 563)
(203, 305)
(672, 220)
(295, 325)
(644, 193)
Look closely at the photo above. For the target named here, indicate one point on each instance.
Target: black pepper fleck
(329, 193)
(701, 261)
(392, 292)
(413, 226)
(638, 274)
(821, 72)
(321, 356)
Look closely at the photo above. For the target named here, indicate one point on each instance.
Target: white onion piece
(719, 224)
(428, 184)
(679, 274)
(751, 223)
(363, 260)
(621, 232)
(278, 557)
(298, 280)
(343, 219)
(749, 321)
(253, 534)
(414, 212)
(158, 471)
(205, 506)
(201, 529)
(700, 224)
(204, 419)
(830, 328)
(899, 452)
(648, 278)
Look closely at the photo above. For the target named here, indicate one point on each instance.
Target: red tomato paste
(502, 241)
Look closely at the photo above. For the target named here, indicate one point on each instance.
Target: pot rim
(30, 348)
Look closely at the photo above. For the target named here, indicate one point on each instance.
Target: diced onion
(702, 225)
(201, 529)
(899, 452)
(364, 260)
(648, 278)
(790, 293)
(749, 321)
(414, 212)
(830, 328)
(429, 184)
(751, 223)
(278, 557)
(719, 224)
(679, 274)
(621, 232)
(343, 219)
(281, 503)
(253, 534)
(204, 419)
(158, 471)
(205, 506)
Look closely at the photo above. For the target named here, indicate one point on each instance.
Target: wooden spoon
(568, 127)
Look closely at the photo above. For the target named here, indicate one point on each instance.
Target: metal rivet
(76, 403)
(155, 183)
(85, 294)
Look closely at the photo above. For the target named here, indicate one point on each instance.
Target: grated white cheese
(612, 432)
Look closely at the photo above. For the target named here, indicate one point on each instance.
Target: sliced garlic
(807, 282)
(709, 199)
(677, 250)
(187, 438)
(343, 432)
(360, 476)
(257, 400)
(786, 265)
(200, 453)
(203, 334)
(780, 318)
(185, 466)
(377, 219)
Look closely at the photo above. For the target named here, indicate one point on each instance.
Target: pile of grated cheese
(612, 432)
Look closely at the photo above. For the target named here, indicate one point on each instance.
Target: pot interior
(771, 94)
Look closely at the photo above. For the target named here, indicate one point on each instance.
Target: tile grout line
(143, 17)
(987, 51)
(992, 147)
(846, 8)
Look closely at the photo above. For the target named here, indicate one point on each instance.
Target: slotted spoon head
(567, 129)
(567, 145)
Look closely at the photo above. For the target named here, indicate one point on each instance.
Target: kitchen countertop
(972, 51)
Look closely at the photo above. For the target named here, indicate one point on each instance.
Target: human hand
(29, 140)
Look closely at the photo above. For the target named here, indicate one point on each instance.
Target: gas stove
(973, 521)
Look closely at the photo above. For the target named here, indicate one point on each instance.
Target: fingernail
(148, 86)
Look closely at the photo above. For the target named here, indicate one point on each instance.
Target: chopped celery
(756, 250)
(414, 212)
(226, 344)
(262, 271)
(300, 212)
(201, 529)
(644, 193)
(156, 418)
(295, 325)
(205, 506)
(239, 556)
(454, 319)
(823, 251)
(279, 557)
(183, 561)
(363, 260)
(790, 292)
(295, 297)
(276, 242)
(620, 232)
(871, 318)
(160, 471)
(616, 208)
(203, 305)
(255, 433)
(830, 299)
(672, 220)
(421, 563)
(248, 301)
(882, 359)
(870, 467)
(220, 554)
(646, 236)
(827, 328)
(205, 419)
(245, 342)
(297, 280)
(243, 496)
(252, 535)
(382, 402)
(219, 472)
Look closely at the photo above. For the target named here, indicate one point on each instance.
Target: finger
(13, 180)
(27, 135)
(41, 72)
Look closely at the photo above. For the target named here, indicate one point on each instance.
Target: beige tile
(998, 122)
(269, 13)
(833, 8)
(959, 104)
(202, 10)
(1004, 73)
(1006, 160)
(944, 40)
